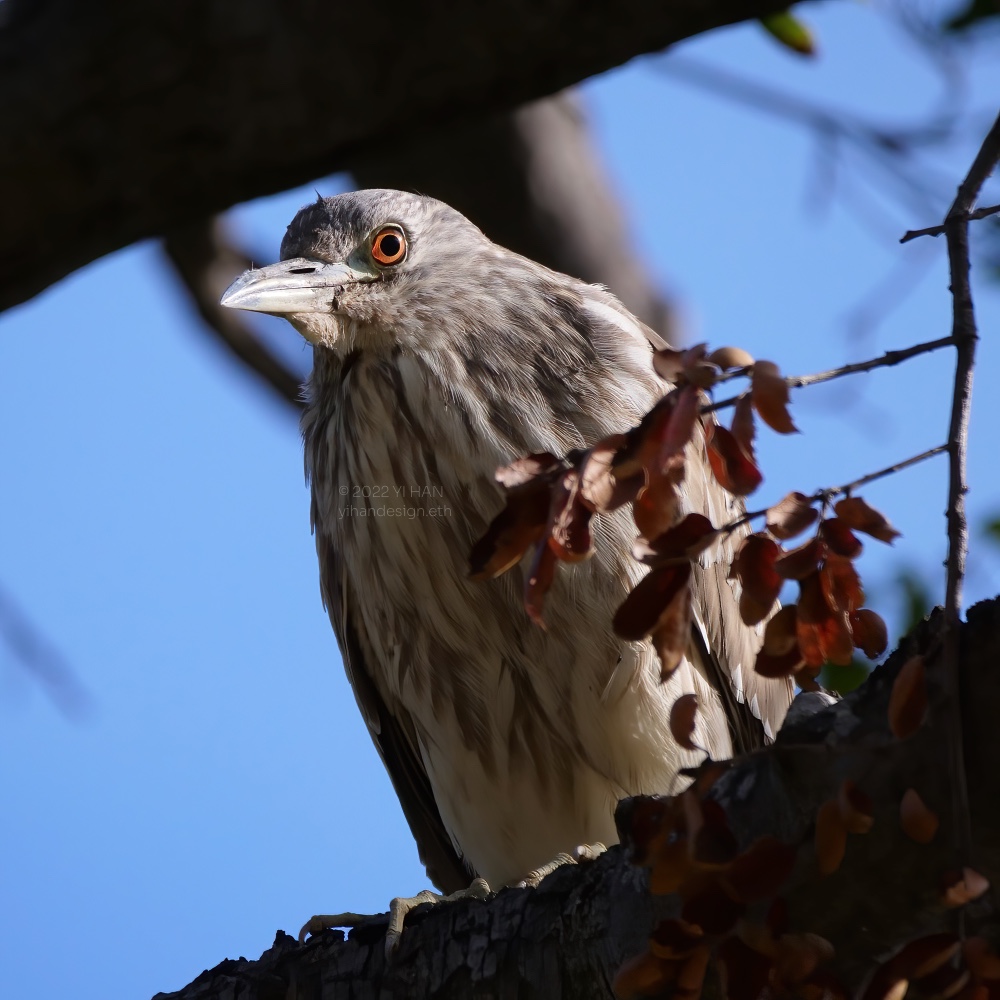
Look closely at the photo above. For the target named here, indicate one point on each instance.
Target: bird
(439, 357)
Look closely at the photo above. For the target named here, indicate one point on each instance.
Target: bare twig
(883, 361)
(825, 495)
(963, 331)
(979, 213)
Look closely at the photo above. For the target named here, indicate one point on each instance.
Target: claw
(325, 921)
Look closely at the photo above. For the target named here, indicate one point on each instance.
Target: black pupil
(389, 245)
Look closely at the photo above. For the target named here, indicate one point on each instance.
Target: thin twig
(825, 495)
(979, 213)
(963, 331)
(883, 361)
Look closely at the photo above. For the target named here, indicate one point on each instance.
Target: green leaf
(847, 678)
(790, 32)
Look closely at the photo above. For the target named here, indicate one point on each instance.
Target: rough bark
(568, 937)
(120, 120)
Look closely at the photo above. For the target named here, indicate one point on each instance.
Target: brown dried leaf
(639, 456)
(691, 975)
(779, 665)
(780, 636)
(512, 532)
(712, 844)
(798, 955)
(813, 606)
(538, 581)
(680, 428)
(886, 986)
(839, 538)
(870, 633)
(742, 427)
(600, 488)
(569, 532)
(731, 465)
(668, 363)
(730, 357)
(963, 887)
(685, 541)
(702, 374)
(642, 609)
(753, 566)
(945, 983)
(770, 397)
(908, 699)
(802, 561)
(856, 808)
(520, 472)
(831, 837)
(841, 584)
(918, 822)
(791, 516)
(682, 717)
(644, 975)
(673, 939)
(672, 634)
(835, 639)
(708, 905)
(924, 955)
(761, 870)
(981, 959)
(655, 508)
(856, 514)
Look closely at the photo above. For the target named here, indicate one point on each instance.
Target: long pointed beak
(300, 285)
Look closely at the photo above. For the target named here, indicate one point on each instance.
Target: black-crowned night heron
(439, 356)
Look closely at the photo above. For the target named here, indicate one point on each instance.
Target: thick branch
(568, 937)
(119, 126)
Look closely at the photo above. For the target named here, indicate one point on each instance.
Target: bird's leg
(398, 909)
(585, 852)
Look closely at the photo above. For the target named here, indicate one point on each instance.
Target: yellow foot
(585, 852)
(398, 909)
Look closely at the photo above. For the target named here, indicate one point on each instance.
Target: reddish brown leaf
(822, 985)
(885, 985)
(570, 535)
(813, 606)
(800, 562)
(745, 973)
(831, 837)
(840, 539)
(918, 822)
(753, 566)
(811, 649)
(841, 584)
(791, 516)
(682, 716)
(759, 937)
(761, 870)
(655, 508)
(908, 700)
(642, 609)
(780, 636)
(702, 374)
(778, 665)
(742, 427)
(869, 631)
(708, 905)
(671, 364)
(856, 514)
(798, 955)
(691, 975)
(538, 581)
(685, 541)
(680, 429)
(644, 975)
(600, 488)
(712, 844)
(675, 939)
(520, 472)
(770, 397)
(924, 955)
(512, 532)
(730, 357)
(945, 982)
(856, 808)
(732, 467)
(981, 959)
(835, 639)
(672, 634)
(963, 887)
(639, 455)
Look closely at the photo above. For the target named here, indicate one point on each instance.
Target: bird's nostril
(301, 270)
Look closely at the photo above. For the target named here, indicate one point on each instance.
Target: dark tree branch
(979, 213)
(207, 263)
(963, 332)
(568, 937)
(121, 126)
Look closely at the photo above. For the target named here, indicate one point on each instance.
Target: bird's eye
(389, 245)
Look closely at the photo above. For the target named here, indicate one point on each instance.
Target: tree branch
(979, 213)
(163, 113)
(568, 937)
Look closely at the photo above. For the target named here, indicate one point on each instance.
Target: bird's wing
(724, 647)
(392, 733)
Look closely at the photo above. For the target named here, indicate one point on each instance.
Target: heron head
(374, 265)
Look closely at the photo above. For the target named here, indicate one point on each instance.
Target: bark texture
(121, 120)
(568, 937)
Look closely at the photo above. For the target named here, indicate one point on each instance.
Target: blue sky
(219, 784)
